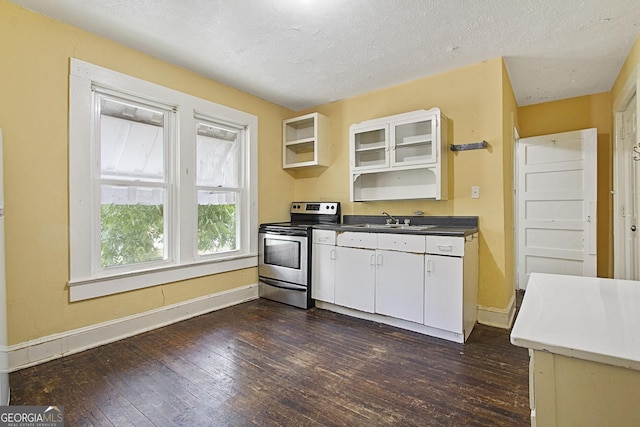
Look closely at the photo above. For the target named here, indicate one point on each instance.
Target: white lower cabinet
(443, 292)
(451, 284)
(355, 278)
(323, 271)
(400, 285)
(323, 265)
(386, 281)
(428, 284)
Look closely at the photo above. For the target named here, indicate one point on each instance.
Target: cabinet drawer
(357, 240)
(324, 237)
(402, 242)
(445, 245)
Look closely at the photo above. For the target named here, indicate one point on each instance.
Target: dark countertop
(441, 225)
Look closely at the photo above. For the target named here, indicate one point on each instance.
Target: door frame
(629, 89)
(516, 210)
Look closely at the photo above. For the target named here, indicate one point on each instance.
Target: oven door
(283, 257)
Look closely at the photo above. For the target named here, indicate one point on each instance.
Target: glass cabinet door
(414, 142)
(370, 147)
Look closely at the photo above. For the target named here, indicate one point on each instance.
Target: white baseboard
(500, 318)
(40, 350)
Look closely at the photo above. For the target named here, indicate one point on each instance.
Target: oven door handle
(282, 285)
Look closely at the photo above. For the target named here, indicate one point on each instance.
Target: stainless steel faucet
(391, 218)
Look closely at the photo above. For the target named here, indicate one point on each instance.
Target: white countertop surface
(584, 317)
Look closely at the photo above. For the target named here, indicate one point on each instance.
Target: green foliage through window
(132, 234)
(216, 228)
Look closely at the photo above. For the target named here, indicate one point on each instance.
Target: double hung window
(133, 182)
(162, 184)
(218, 186)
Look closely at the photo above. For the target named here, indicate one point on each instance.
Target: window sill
(80, 290)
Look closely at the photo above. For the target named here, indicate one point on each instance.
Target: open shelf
(299, 129)
(301, 145)
(304, 141)
(403, 184)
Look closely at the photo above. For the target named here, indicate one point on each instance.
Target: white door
(355, 278)
(399, 290)
(556, 194)
(628, 205)
(323, 273)
(443, 293)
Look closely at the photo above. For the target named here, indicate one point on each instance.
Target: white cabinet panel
(325, 237)
(443, 292)
(445, 245)
(400, 285)
(323, 269)
(402, 242)
(355, 278)
(357, 240)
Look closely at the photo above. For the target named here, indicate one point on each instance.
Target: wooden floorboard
(263, 363)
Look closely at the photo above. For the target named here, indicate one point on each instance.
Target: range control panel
(322, 208)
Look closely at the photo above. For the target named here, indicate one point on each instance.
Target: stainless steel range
(284, 262)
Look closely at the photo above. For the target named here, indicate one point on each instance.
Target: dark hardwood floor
(268, 364)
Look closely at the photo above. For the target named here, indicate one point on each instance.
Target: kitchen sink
(393, 226)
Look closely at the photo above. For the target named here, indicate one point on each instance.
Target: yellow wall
(472, 99)
(630, 64)
(34, 68)
(591, 111)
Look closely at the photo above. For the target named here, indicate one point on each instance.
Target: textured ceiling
(303, 53)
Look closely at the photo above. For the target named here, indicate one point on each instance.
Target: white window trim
(85, 283)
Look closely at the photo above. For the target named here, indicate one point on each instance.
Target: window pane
(131, 141)
(217, 156)
(216, 222)
(132, 225)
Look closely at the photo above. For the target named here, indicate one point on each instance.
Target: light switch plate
(475, 192)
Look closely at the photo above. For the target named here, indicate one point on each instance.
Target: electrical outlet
(475, 192)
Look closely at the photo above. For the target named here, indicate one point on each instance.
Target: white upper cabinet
(370, 147)
(400, 157)
(412, 141)
(305, 142)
